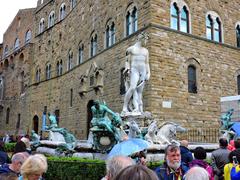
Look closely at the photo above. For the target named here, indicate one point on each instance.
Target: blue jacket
(186, 155)
(164, 173)
(4, 157)
(5, 169)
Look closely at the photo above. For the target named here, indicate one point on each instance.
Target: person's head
(237, 143)
(173, 156)
(136, 172)
(116, 164)
(234, 153)
(96, 103)
(197, 173)
(200, 153)
(34, 167)
(223, 142)
(143, 38)
(8, 176)
(20, 147)
(17, 161)
(184, 143)
(1, 146)
(26, 141)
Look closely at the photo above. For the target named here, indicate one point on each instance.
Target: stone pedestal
(143, 120)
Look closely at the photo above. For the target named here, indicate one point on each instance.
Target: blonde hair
(34, 164)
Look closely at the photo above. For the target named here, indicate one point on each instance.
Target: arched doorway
(89, 115)
(35, 123)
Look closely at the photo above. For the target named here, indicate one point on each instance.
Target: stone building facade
(79, 54)
(16, 58)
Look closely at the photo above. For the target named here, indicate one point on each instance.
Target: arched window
(184, 23)
(113, 34)
(93, 48)
(48, 71)
(41, 25)
(175, 18)
(209, 26)
(217, 30)
(80, 54)
(51, 19)
(192, 79)
(70, 60)
(6, 51)
(131, 21)
(180, 17)
(28, 36)
(59, 68)
(37, 76)
(134, 19)
(7, 115)
(128, 24)
(108, 39)
(62, 12)
(238, 84)
(213, 27)
(16, 44)
(73, 3)
(238, 35)
(110, 35)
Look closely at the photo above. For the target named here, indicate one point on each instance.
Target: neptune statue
(103, 126)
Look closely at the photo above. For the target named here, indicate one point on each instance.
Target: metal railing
(200, 135)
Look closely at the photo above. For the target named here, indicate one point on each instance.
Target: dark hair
(20, 147)
(2, 146)
(136, 172)
(200, 153)
(237, 143)
(234, 153)
(223, 142)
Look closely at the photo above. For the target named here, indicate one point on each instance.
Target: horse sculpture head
(134, 129)
(167, 132)
(152, 128)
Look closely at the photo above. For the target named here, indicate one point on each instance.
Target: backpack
(234, 175)
(210, 172)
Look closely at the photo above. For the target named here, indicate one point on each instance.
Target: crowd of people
(22, 165)
(179, 164)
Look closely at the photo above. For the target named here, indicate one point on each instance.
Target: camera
(235, 161)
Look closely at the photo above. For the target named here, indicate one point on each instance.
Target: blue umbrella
(128, 147)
